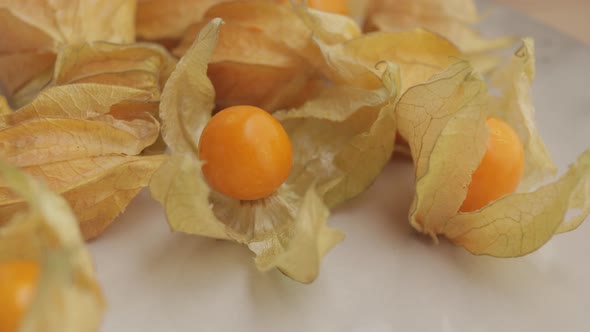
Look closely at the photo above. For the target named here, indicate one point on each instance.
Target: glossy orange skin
(331, 6)
(247, 153)
(18, 282)
(500, 170)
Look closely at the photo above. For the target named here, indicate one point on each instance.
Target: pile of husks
(249, 121)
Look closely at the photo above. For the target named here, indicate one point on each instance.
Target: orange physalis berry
(18, 281)
(500, 169)
(246, 151)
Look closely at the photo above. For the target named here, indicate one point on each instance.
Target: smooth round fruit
(331, 6)
(18, 281)
(500, 169)
(246, 151)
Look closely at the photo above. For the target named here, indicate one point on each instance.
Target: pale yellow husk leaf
(433, 118)
(4, 108)
(141, 66)
(47, 140)
(337, 133)
(243, 56)
(519, 224)
(46, 231)
(328, 27)
(188, 98)
(76, 101)
(418, 53)
(444, 124)
(453, 19)
(309, 240)
(158, 19)
(34, 31)
(515, 107)
(84, 141)
(97, 188)
(270, 44)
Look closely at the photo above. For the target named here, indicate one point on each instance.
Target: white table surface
(384, 276)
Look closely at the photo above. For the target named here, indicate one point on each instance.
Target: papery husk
(35, 31)
(4, 108)
(46, 231)
(84, 140)
(338, 132)
(94, 118)
(41, 141)
(140, 65)
(167, 20)
(418, 53)
(519, 224)
(80, 101)
(452, 19)
(515, 107)
(444, 124)
(286, 230)
(97, 188)
(269, 44)
(433, 118)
